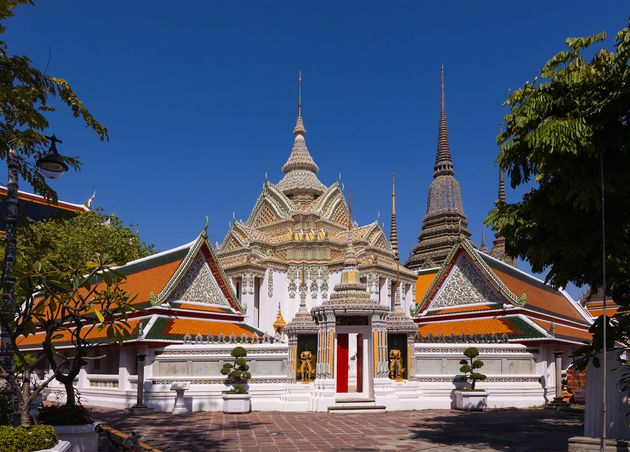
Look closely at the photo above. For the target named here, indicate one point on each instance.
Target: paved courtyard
(429, 430)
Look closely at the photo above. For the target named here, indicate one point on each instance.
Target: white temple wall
(512, 380)
(546, 364)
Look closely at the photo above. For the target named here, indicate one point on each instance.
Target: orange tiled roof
(422, 284)
(173, 328)
(65, 338)
(457, 309)
(473, 326)
(565, 331)
(150, 280)
(547, 300)
(610, 311)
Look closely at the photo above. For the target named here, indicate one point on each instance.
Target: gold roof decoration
(279, 323)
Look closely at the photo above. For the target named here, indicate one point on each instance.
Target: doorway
(353, 360)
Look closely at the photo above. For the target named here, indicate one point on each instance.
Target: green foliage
(65, 415)
(27, 96)
(7, 407)
(470, 366)
(237, 373)
(21, 439)
(558, 128)
(78, 239)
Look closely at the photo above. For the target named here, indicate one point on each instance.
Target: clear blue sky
(200, 98)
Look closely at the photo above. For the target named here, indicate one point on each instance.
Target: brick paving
(428, 430)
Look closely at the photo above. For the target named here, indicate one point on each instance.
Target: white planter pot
(471, 400)
(237, 403)
(83, 438)
(61, 446)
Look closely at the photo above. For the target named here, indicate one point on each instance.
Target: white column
(126, 358)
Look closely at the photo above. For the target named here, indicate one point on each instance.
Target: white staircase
(356, 405)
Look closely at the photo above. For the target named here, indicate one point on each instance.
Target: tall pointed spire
(300, 181)
(393, 232)
(350, 262)
(444, 220)
(443, 160)
(483, 247)
(498, 244)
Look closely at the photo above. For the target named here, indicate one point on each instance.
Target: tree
(63, 302)
(52, 256)
(564, 131)
(25, 95)
(77, 239)
(25, 99)
(559, 129)
(470, 367)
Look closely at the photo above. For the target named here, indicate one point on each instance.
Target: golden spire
(279, 322)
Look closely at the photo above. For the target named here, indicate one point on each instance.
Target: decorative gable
(265, 215)
(465, 284)
(198, 285)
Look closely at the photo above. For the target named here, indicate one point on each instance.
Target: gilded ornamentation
(306, 370)
(197, 284)
(465, 285)
(396, 369)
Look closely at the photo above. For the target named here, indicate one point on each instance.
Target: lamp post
(53, 167)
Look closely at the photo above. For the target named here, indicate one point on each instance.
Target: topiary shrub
(22, 439)
(65, 415)
(470, 366)
(237, 373)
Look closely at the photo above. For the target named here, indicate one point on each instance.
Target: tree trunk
(25, 399)
(70, 397)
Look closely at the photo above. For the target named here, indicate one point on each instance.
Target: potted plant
(72, 423)
(237, 399)
(470, 398)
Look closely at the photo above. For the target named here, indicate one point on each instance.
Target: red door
(359, 363)
(342, 363)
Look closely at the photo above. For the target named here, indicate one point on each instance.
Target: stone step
(357, 408)
(354, 400)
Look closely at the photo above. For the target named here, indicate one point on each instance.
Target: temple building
(330, 319)
(298, 223)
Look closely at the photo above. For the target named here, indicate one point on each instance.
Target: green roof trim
(158, 328)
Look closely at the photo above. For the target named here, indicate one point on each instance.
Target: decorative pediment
(339, 213)
(197, 285)
(231, 241)
(265, 215)
(465, 284)
(271, 203)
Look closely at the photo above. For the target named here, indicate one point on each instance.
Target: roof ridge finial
(483, 247)
(393, 232)
(299, 112)
(443, 161)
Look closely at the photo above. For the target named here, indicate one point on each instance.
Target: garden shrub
(65, 415)
(22, 439)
